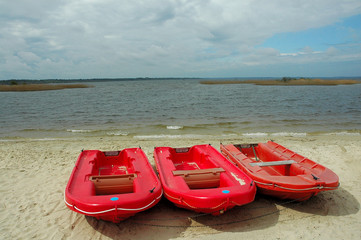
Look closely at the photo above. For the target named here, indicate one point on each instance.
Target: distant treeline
(49, 81)
(40, 87)
(202, 80)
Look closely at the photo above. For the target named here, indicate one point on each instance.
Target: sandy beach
(34, 174)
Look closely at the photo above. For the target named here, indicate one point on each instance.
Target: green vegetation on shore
(39, 87)
(287, 81)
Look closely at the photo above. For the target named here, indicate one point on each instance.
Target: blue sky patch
(318, 39)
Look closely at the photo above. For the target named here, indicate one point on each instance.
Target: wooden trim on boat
(273, 163)
(197, 171)
(113, 184)
(201, 178)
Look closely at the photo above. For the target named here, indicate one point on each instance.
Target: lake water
(180, 108)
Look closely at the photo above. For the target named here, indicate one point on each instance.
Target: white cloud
(305, 51)
(307, 56)
(108, 38)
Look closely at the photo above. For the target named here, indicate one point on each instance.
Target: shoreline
(40, 87)
(35, 173)
(74, 135)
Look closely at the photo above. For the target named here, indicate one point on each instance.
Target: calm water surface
(180, 108)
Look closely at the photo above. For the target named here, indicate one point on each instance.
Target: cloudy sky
(179, 38)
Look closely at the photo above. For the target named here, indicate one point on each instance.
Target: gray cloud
(106, 38)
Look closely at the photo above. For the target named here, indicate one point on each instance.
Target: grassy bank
(39, 87)
(287, 82)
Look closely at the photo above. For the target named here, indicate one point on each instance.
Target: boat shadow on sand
(172, 221)
(162, 217)
(260, 214)
(267, 211)
(264, 212)
(330, 203)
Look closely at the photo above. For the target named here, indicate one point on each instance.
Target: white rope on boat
(293, 189)
(113, 209)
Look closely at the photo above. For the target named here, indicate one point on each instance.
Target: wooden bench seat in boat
(113, 184)
(273, 163)
(201, 178)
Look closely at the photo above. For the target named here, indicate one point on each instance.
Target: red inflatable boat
(112, 185)
(280, 172)
(201, 179)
